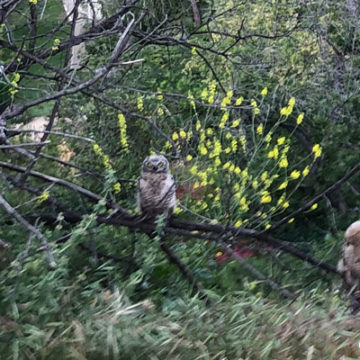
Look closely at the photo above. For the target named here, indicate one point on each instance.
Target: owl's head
(155, 164)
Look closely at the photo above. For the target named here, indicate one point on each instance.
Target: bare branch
(13, 213)
(311, 202)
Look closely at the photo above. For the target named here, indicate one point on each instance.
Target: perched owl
(349, 265)
(156, 188)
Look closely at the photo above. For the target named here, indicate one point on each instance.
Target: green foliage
(237, 327)
(258, 131)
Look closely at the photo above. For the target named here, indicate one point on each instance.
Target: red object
(188, 188)
(243, 252)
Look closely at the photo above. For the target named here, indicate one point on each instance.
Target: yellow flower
(209, 131)
(194, 170)
(317, 150)
(265, 198)
(160, 111)
(274, 153)
(281, 140)
(33, 2)
(159, 95)
(140, 103)
(235, 123)
(264, 175)
(237, 170)
(226, 101)
(16, 77)
(117, 187)
(56, 42)
(243, 204)
(219, 253)
(97, 149)
(264, 91)
(283, 163)
(182, 134)
(189, 157)
(198, 126)
(228, 136)
(177, 210)
(291, 220)
(314, 206)
(295, 174)
(299, 119)
(252, 285)
(203, 150)
(238, 223)
(204, 94)
(226, 165)
(211, 99)
(284, 111)
(306, 171)
(283, 185)
(292, 102)
(229, 94)
(260, 129)
(255, 184)
(285, 205)
(43, 197)
(256, 111)
(224, 119)
(239, 101)
(175, 136)
(268, 137)
(123, 134)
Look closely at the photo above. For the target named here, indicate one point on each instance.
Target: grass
(238, 327)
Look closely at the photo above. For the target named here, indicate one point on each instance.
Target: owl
(349, 265)
(156, 188)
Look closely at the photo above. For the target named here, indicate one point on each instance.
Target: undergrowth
(240, 326)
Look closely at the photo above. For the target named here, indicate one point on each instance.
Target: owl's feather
(156, 194)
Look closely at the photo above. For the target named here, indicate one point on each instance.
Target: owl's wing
(168, 191)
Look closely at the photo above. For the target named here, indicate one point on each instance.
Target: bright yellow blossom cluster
(266, 193)
(140, 103)
(117, 187)
(33, 2)
(317, 151)
(14, 85)
(105, 158)
(123, 135)
(255, 108)
(212, 89)
(287, 110)
(55, 45)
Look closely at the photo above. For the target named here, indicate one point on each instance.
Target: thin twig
(3, 147)
(314, 200)
(184, 271)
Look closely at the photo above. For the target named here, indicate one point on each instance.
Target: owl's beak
(155, 168)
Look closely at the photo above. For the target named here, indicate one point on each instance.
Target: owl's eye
(149, 165)
(160, 164)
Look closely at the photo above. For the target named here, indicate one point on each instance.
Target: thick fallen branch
(176, 226)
